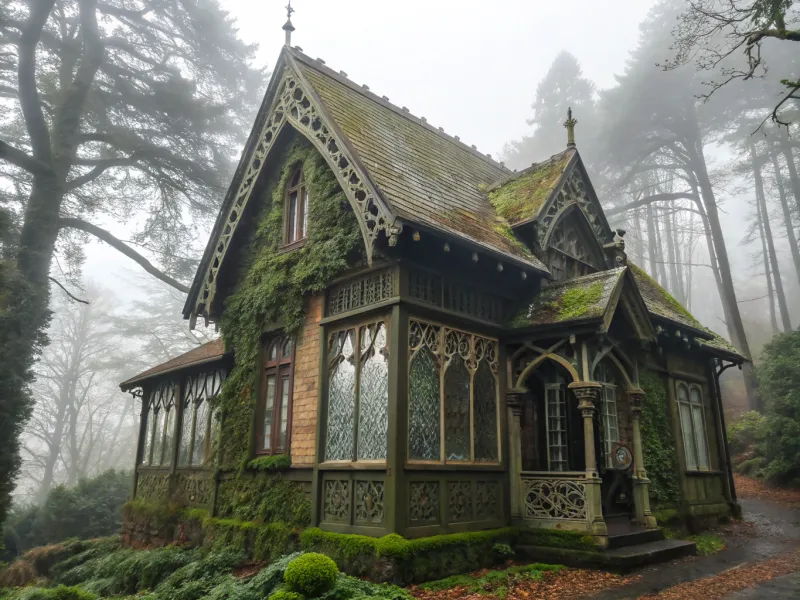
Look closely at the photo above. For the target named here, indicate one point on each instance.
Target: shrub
(311, 574)
(17, 574)
(285, 595)
(503, 551)
(60, 592)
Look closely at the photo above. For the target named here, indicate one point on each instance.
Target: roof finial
(288, 27)
(570, 125)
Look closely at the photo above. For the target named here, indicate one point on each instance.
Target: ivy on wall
(271, 285)
(658, 443)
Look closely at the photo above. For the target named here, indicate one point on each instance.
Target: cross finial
(570, 125)
(288, 27)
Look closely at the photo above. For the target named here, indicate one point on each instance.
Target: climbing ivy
(658, 443)
(271, 284)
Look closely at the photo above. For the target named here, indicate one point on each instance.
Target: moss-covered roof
(580, 299)
(520, 197)
(425, 176)
(661, 304)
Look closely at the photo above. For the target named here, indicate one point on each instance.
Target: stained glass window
(423, 408)
(341, 397)
(485, 401)
(456, 410)
(466, 394)
(275, 396)
(373, 416)
(693, 427)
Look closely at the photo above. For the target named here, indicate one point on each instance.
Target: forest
(122, 121)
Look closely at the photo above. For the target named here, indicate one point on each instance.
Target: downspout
(724, 449)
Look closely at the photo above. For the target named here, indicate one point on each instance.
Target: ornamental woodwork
(369, 502)
(152, 486)
(459, 501)
(424, 502)
(486, 500)
(294, 104)
(364, 291)
(554, 499)
(195, 490)
(337, 500)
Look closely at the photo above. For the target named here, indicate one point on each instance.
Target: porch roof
(583, 299)
(209, 352)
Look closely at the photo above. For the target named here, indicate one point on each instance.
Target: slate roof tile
(208, 352)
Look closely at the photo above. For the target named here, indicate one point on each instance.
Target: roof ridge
(534, 166)
(319, 65)
(589, 277)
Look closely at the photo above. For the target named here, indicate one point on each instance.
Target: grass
(707, 543)
(491, 582)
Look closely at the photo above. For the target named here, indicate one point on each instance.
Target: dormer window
(295, 225)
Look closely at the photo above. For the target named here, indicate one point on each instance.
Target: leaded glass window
(693, 426)
(452, 404)
(358, 394)
(199, 391)
(275, 396)
(557, 457)
(609, 422)
(160, 425)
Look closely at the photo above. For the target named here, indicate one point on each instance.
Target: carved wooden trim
(296, 105)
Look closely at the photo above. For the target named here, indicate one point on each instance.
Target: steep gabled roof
(207, 353)
(395, 169)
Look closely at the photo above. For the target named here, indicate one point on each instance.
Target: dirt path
(766, 546)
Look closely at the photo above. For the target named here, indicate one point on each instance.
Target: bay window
(160, 426)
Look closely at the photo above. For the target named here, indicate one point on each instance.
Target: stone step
(633, 538)
(618, 559)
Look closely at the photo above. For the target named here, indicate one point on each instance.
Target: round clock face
(622, 457)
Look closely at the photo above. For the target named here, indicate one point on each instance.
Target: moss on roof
(659, 301)
(521, 197)
(576, 299)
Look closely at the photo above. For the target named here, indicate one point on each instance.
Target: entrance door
(617, 485)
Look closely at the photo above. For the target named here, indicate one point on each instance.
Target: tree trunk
(638, 246)
(787, 214)
(773, 257)
(669, 234)
(786, 149)
(767, 274)
(735, 325)
(651, 242)
(659, 248)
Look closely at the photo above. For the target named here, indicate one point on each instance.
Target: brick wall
(306, 382)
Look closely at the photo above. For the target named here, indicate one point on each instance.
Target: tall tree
(563, 87)
(121, 111)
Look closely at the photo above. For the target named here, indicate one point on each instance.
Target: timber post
(641, 484)
(514, 398)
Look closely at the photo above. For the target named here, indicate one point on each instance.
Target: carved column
(588, 393)
(514, 398)
(641, 484)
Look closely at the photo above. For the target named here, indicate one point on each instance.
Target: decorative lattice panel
(423, 506)
(459, 501)
(337, 500)
(153, 486)
(554, 499)
(487, 503)
(367, 290)
(369, 508)
(461, 298)
(425, 286)
(195, 490)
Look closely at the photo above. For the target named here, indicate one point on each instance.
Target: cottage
(425, 342)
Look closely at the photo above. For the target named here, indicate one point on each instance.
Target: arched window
(693, 426)
(295, 225)
(275, 396)
(567, 254)
(609, 423)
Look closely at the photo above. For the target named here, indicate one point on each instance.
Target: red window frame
(274, 407)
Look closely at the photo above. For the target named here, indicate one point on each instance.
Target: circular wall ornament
(622, 457)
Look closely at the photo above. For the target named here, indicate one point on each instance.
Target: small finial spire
(570, 125)
(288, 27)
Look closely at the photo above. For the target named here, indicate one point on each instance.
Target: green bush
(503, 551)
(658, 443)
(60, 592)
(271, 463)
(554, 538)
(347, 587)
(746, 433)
(311, 574)
(285, 595)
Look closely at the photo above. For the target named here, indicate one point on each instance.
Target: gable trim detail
(296, 105)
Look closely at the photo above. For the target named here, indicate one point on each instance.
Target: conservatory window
(452, 397)
(275, 396)
(358, 393)
(296, 209)
(609, 422)
(160, 426)
(693, 428)
(198, 422)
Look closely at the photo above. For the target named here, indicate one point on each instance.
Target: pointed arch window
(295, 222)
(275, 396)
(567, 253)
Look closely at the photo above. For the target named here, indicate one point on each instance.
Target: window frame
(281, 368)
(157, 401)
(561, 401)
(442, 363)
(191, 399)
(606, 376)
(359, 360)
(692, 462)
(300, 224)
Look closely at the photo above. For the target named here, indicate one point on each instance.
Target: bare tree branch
(22, 159)
(66, 291)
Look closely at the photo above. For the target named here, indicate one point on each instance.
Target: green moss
(707, 543)
(658, 443)
(556, 538)
(521, 197)
(662, 295)
(492, 582)
(271, 285)
(666, 516)
(275, 462)
(576, 302)
(265, 498)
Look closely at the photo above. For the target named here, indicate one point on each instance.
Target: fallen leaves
(732, 580)
(747, 487)
(565, 583)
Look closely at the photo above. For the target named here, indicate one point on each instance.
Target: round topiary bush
(285, 595)
(311, 574)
